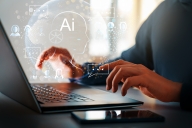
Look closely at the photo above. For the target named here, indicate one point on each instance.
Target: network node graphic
(55, 36)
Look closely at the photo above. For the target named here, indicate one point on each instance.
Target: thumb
(67, 66)
(65, 60)
(146, 92)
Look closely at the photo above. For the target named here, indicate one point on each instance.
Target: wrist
(177, 91)
(78, 72)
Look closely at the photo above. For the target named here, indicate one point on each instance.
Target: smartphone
(116, 116)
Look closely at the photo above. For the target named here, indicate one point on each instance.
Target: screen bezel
(23, 88)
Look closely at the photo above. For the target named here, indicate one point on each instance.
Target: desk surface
(13, 114)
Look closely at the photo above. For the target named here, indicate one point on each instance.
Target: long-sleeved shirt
(163, 44)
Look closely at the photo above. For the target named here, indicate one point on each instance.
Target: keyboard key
(50, 94)
(63, 100)
(78, 100)
(83, 98)
(55, 101)
(88, 100)
(71, 100)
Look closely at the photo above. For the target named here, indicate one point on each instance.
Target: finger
(116, 76)
(146, 92)
(65, 60)
(104, 67)
(131, 81)
(114, 80)
(67, 67)
(64, 52)
(51, 53)
(110, 66)
(110, 77)
(44, 56)
(123, 79)
(123, 73)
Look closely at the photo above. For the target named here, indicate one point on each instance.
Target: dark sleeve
(141, 52)
(185, 97)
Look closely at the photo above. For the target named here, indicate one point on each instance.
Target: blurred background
(112, 32)
(134, 13)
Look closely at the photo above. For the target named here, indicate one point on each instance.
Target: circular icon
(30, 9)
(15, 28)
(55, 36)
(111, 25)
(123, 26)
(27, 29)
(15, 31)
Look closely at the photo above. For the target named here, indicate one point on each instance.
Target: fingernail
(123, 93)
(108, 88)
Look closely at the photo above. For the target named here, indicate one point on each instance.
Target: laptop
(51, 98)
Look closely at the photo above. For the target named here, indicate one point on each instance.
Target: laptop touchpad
(89, 91)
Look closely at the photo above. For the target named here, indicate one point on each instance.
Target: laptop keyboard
(49, 94)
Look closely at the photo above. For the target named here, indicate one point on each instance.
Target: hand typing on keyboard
(60, 58)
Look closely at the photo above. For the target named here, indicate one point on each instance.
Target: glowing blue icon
(111, 25)
(32, 52)
(38, 10)
(59, 74)
(47, 72)
(27, 29)
(15, 31)
(123, 26)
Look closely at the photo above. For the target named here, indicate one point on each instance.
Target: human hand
(137, 75)
(60, 58)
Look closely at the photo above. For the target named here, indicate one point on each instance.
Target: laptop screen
(91, 30)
